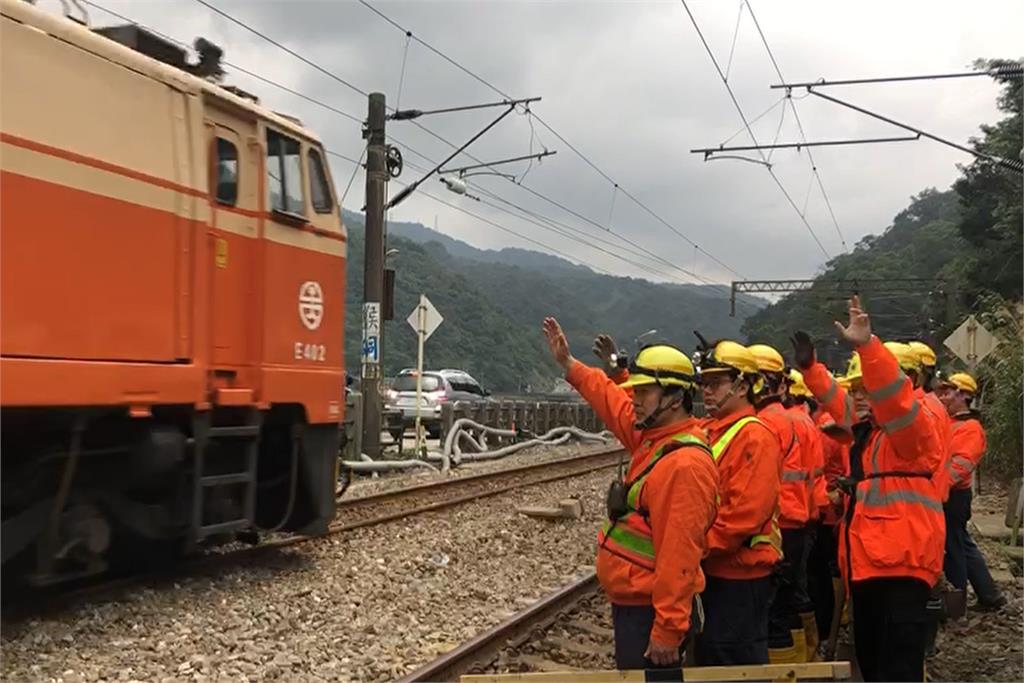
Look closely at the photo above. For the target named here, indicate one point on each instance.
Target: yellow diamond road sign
(971, 342)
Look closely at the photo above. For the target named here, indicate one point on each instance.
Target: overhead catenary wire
(358, 162)
(800, 128)
(558, 227)
(416, 123)
(750, 131)
(281, 46)
(735, 35)
(401, 75)
(551, 130)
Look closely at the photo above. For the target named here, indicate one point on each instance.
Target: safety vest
(718, 448)
(630, 536)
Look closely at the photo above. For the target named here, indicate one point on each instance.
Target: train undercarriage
(86, 491)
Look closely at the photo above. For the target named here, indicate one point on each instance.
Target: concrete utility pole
(373, 272)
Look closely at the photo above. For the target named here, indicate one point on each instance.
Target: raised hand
(606, 350)
(858, 330)
(557, 342)
(803, 350)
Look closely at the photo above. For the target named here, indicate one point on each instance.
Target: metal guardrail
(537, 417)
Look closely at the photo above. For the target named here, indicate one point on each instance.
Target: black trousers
(890, 628)
(822, 567)
(633, 624)
(735, 621)
(964, 561)
(791, 597)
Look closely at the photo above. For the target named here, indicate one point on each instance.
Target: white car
(438, 387)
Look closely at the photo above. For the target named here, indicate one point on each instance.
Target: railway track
(568, 635)
(352, 513)
(480, 652)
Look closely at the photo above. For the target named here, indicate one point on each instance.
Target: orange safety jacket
(944, 426)
(672, 496)
(969, 445)
(837, 464)
(893, 524)
(745, 541)
(793, 509)
(813, 451)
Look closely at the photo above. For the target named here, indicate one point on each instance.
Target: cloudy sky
(630, 85)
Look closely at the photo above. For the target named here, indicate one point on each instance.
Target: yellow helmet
(962, 381)
(728, 355)
(797, 386)
(925, 355)
(853, 371)
(768, 359)
(663, 365)
(905, 356)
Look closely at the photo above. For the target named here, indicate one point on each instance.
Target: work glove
(606, 350)
(803, 350)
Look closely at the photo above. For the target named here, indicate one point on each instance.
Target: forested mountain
(494, 301)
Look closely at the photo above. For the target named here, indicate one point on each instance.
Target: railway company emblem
(311, 304)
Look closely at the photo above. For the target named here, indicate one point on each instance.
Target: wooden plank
(754, 672)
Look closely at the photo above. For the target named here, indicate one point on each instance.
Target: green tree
(990, 195)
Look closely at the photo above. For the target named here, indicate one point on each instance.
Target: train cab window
(284, 174)
(319, 189)
(227, 172)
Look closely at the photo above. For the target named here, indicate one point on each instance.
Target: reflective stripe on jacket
(812, 449)
(968, 447)
(744, 542)
(795, 476)
(679, 497)
(630, 536)
(894, 526)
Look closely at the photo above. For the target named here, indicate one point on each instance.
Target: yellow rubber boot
(782, 655)
(810, 635)
(799, 646)
(844, 616)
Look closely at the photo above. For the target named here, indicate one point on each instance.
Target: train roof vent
(149, 44)
(163, 50)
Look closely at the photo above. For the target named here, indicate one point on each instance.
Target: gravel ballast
(369, 605)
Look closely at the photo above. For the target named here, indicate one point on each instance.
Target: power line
(750, 131)
(236, 67)
(357, 163)
(551, 224)
(560, 228)
(424, 128)
(542, 122)
(800, 127)
(281, 46)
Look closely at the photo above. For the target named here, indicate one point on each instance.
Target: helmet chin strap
(732, 390)
(649, 421)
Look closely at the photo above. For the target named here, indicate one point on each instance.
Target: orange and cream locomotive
(172, 284)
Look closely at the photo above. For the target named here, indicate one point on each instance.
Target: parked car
(439, 387)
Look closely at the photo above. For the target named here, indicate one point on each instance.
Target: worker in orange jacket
(786, 638)
(920, 366)
(963, 559)
(744, 544)
(801, 407)
(823, 577)
(918, 361)
(650, 550)
(893, 529)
